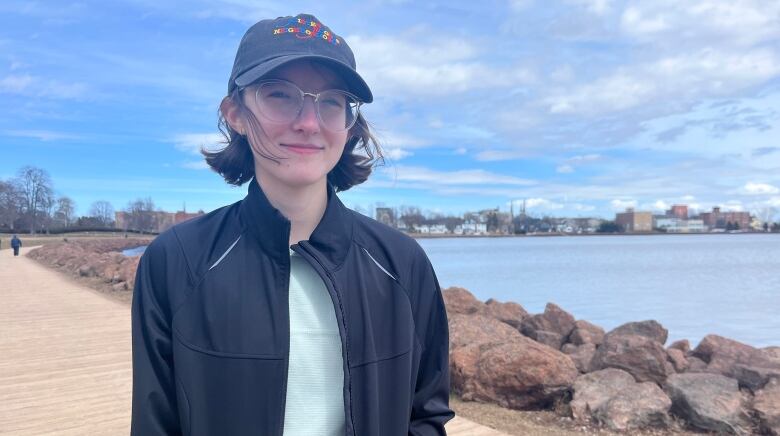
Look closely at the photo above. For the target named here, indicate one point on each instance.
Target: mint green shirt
(315, 378)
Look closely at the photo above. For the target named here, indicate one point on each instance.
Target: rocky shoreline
(100, 263)
(624, 380)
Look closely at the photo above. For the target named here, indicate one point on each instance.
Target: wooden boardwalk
(65, 357)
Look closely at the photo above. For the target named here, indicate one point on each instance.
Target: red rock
(695, 364)
(649, 329)
(709, 402)
(766, 404)
(586, 333)
(555, 322)
(509, 312)
(639, 406)
(642, 357)
(518, 374)
(677, 358)
(478, 329)
(682, 345)
(582, 356)
(459, 300)
(594, 389)
(93, 258)
(721, 354)
(750, 366)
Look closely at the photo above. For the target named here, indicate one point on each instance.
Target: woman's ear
(232, 114)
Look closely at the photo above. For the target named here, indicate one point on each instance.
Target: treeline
(29, 203)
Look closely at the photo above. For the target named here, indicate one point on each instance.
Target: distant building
(632, 221)
(471, 228)
(722, 220)
(677, 225)
(159, 220)
(679, 211)
(432, 229)
(386, 215)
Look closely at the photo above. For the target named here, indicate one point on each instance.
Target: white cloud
(15, 83)
(506, 154)
(734, 22)
(396, 153)
(542, 203)
(564, 169)
(43, 135)
(459, 177)
(621, 205)
(682, 78)
(196, 165)
(461, 150)
(411, 63)
(760, 189)
(658, 205)
(393, 139)
(25, 84)
(733, 206)
(192, 142)
(598, 7)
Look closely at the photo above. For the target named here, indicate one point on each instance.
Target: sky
(576, 107)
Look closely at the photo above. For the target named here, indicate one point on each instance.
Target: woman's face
(306, 149)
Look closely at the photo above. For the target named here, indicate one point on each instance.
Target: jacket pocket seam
(381, 359)
(223, 354)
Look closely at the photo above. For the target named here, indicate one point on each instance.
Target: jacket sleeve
(430, 406)
(154, 409)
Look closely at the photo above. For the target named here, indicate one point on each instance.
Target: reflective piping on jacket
(225, 253)
(379, 265)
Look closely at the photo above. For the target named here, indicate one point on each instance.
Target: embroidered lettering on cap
(316, 31)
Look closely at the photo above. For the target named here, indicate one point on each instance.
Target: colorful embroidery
(307, 29)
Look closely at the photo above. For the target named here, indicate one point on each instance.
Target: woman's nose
(307, 120)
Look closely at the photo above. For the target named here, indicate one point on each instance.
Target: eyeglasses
(282, 102)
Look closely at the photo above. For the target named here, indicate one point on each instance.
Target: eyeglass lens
(282, 102)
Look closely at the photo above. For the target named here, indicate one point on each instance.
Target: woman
(287, 313)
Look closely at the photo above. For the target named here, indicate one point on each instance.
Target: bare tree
(11, 204)
(103, 212)
(64, 214)
(36, 188)
(141, 216)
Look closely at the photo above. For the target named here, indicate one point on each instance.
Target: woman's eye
(279, 94)
(333, 102)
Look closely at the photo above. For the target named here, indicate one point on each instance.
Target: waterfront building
(726, 220)
(679, 211)
(677, 225)
(432, 229)
(152, 221)
(633, 221)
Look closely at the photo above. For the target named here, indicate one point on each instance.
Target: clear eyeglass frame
(351, 109)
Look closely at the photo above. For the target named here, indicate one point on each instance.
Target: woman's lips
(303, 148)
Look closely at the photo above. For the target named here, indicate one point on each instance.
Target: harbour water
(727, 284)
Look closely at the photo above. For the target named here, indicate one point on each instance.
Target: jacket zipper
(304, 251)
(286, 291)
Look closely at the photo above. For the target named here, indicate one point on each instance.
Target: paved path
(65, 357)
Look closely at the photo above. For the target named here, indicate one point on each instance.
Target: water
(137, 251)
(692, 284)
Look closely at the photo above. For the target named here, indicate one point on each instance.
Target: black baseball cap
(269, 44)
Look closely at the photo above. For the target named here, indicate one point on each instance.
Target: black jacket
(210, 324)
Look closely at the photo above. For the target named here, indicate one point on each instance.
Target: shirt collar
(331, 238)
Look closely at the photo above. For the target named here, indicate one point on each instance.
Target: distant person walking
(16, 243)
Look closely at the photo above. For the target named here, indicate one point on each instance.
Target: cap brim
(355, 83)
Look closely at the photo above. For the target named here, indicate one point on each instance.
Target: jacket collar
(331, 238)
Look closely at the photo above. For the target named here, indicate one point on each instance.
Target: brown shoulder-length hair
(235, 162)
